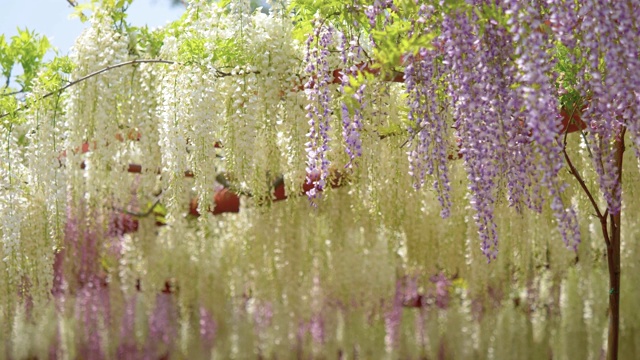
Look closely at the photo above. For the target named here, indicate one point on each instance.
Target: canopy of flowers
(389, 177)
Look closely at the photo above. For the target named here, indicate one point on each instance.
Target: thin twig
(95, 73)
(414, 134)
(222, 180)
(73, 3)
(222, 74)
(574, 172)
(602, 217)
(582, 133)
(572, 169)
(566, 129)
(13, 92)
(140, 215)
(110, 67)
(8, 82)
(219, 74)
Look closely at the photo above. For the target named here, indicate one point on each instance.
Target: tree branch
(95, 73)
(219, 74)
(613, 259)
(574, 172)
(136, 214)
(13, 92)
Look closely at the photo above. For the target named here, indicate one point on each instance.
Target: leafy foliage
(568, 67)
(26, 49)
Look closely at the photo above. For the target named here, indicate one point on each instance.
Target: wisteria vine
(317, 89)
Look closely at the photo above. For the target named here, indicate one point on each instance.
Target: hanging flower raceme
(379, 7)
(12, 203)
(541, 115)
(318, 109)
(500, 102)
(173, 142)
(93, 111)
(611, 42)
(428, 155)
(352, 107)
(48, 188)
(476, 127)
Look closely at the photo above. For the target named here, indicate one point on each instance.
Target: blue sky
(51, 18)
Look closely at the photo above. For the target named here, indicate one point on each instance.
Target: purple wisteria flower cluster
(428, 155)
(496, 81)
(428, 129)
(319, 110)
(476, 124)
(351, 56)
(540, 104)
(612, 81)
(378, 8)
(506, 115)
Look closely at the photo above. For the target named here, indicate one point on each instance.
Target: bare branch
(13, 92)
(219, 74)
(566, 130)
(140, 215)
(110, 67)
(95, 73)
(573, 171)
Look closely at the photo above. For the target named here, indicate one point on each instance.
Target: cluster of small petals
(541, 115)
(563, 19)
(502, 128)
(127, 347)
(90, 119)
(477, 129)
(429, 147)
(613, 97)
(350, 53)
(11, 201)
(428, 154)
(208, 327)
(204, 99)
(496, 83)
(47, 138)
(92, 302)
(163, 323)
(378, 7)
(318, 109)
(143, 119)
(173, 143)
(515, 156)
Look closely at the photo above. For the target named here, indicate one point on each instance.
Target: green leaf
(192, 50)
(80, 10)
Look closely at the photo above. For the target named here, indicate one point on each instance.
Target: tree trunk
(613, 260)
